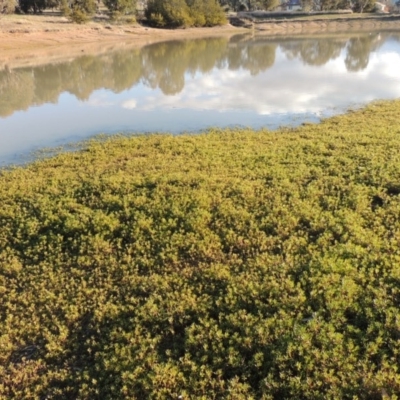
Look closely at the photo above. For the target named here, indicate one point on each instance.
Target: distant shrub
(156, 19)
(64, 8)
(82, 10)
(7, 6)
(184, 13)
(78, 16)
(119, 7)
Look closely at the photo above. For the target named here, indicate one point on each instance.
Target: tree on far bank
(363, 5)
(326, 5)
(206, 12)
(184, 13)
(172, 13)
(34, 6)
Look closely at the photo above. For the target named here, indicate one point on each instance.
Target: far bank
(25, 39)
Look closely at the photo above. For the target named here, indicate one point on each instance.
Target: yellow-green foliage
(171, 13)
(78, 16)
(206, 12)
(226, 265)
(184, 13)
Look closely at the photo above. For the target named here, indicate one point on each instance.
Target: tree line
(173, 13)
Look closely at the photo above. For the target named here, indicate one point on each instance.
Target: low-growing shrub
(81, 10)
(78, 16)
(232, 264)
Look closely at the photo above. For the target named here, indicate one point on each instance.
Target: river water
(191, 85)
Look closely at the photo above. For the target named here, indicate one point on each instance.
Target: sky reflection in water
(195, 84)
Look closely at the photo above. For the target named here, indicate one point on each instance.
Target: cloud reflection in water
(189, 85)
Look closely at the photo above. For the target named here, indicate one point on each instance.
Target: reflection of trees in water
(126, 70)
(34, 86)
(17, 91)
(47, 82)
(161, 69)
(314, 51)
(260, 58)
(359, 49)
(85, 76)
(160, 65)
(115, 72)
(164, 65)
(319, 51)
(255, 56)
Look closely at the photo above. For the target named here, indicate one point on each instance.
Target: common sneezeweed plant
(233, 264)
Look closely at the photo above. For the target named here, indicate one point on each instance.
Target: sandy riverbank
(30, 37)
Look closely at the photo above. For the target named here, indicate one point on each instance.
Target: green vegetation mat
(228, 265)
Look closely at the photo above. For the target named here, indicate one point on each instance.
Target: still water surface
(190, 85)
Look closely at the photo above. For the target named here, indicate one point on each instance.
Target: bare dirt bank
(24, 40)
